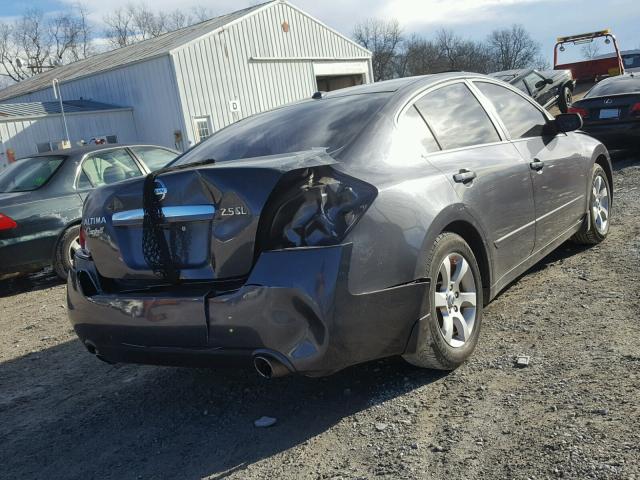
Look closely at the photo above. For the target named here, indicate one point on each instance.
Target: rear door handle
(536, 165)
(464, 176)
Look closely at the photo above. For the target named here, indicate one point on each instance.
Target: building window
(43, 147)
(202, 128)
(112, 139)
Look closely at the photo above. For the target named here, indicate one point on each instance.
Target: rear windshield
(631, 60)
(28, 174)
(329, 123)
(615, 86)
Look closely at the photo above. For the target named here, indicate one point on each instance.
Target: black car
(41, 200)
(611, 111)
(363, 223)
(548, 88)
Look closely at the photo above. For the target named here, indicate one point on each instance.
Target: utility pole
(56, 92)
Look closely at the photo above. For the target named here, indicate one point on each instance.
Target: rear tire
(65, 249)
(599, 209)
(455, 306)
(565, 99)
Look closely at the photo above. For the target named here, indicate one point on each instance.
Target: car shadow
(624, 158)
(66, 413)
(29, 283)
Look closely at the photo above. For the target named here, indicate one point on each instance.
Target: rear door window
(110, 166)
(456, 117)
(520, 117)
(413, 129)
(154, 158)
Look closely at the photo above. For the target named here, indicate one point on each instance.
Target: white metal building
(27, 128)
(186, 84)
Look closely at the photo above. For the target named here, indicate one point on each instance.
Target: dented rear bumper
(295, 304)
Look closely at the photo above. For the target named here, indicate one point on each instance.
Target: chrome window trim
(502, 134)
(510, 87)
(172, 214)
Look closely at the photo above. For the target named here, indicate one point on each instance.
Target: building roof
(144, 50)
(11, 111)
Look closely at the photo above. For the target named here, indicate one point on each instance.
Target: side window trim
(490, 106)
(433, 134)
(491, 111)
(500, 130)
(141, 165)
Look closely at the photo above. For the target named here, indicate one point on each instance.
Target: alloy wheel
(74, 246)
(600, 205)
(455, 300)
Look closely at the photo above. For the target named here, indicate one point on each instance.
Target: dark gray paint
(320, 308)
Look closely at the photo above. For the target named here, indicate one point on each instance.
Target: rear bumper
(295, 304)
(616, 135)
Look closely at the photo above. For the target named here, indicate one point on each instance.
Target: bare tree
(384, 39)
(590, 50)
(458, 53)
(120, 29)
(35, 42)
(419, 57)
(136, 22)
(512, 48)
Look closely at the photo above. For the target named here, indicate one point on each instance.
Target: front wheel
(565, 99)
(599, 209)
(455, 306)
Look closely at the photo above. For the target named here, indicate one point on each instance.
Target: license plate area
(189, 242)
(187, 230)
(609, 113)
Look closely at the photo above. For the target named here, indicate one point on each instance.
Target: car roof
(398, 84)
(78, 151)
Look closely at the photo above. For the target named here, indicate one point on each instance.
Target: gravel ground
(573, 412)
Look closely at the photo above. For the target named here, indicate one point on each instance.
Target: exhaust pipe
(91, 348)
(269, 366)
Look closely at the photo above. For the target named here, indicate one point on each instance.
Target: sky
(544, 19)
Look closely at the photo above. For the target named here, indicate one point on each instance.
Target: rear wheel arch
(604, 162)
(479, 248)
(456, 219)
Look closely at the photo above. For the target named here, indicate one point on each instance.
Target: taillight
(83, 238)
(583, 112)
(317, 210)
(635, 109)
(7, 223)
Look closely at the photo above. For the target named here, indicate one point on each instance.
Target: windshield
(615, 86)
(328, 123)
(28, 174)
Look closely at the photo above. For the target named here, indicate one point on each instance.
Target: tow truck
(594, 69)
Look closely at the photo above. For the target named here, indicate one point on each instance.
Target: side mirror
(567, 122)
(542, 83)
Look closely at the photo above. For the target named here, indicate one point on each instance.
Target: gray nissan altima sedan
(363, 223)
